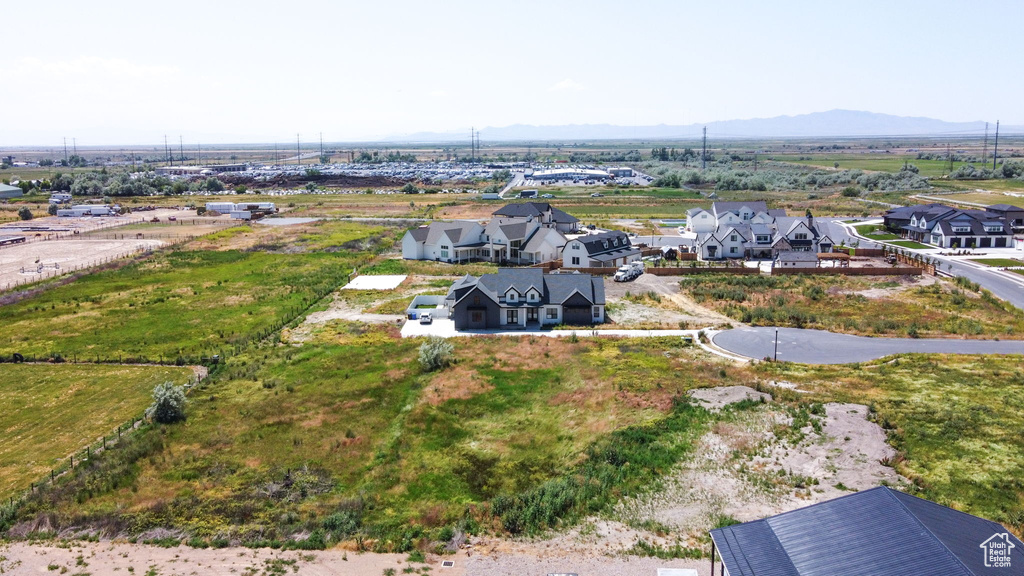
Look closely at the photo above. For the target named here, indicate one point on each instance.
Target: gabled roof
(723, 207)
(882, 532)
(594, 243)
(542, 235)
(790, 256)
(534, 209)
(553, 288)
(457, 231)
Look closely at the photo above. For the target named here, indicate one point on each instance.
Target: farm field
(53, 410)
(864, 305)
(156, 309)
(878, 163)
(35, 261)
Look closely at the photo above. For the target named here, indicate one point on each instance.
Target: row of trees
(104, 184)
(727, 179)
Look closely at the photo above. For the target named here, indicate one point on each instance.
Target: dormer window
(605, 243)
(993, 227)
(961, 227)
(800, 236)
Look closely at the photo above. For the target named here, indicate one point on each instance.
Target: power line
(995, 147)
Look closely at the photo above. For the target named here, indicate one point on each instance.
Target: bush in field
(25, 214)
(436, 353)
(168, 403)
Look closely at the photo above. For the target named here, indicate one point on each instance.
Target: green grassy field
(187, 303)
(878, 163)
(51, 411)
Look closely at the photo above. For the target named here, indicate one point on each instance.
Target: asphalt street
(822, 347)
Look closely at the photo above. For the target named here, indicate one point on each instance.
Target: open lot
(51, 411)
(26, 263)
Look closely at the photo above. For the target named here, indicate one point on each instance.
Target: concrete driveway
(445, 328)
(823, 347)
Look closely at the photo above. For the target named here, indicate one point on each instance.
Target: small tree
(168, 403)
(51, 209)
(436, 353)
(25, 213)
(410, 188)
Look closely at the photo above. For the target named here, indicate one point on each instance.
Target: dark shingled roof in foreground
(881, 532)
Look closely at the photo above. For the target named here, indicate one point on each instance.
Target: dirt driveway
(674, 307)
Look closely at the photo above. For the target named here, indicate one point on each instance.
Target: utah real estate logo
(997, 550)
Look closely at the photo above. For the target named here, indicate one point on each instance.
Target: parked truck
(628, 272)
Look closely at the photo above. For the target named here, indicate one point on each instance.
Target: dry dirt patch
(743, 470)
(714, 399)
(53, 257)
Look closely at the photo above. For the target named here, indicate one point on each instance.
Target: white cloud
(567, 85)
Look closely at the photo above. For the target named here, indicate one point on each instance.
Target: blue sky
(110, 72)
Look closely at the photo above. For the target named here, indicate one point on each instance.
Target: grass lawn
(998, 262)
(875, 232)
(859, 305)
(53, 410)
(954, 419)
(911, 244)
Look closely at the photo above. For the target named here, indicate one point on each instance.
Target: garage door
(1000, 242)
(576, 315)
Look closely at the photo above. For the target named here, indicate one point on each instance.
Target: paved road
(1008, 286)
(822, 347)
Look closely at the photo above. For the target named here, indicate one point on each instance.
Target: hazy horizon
(115, 72)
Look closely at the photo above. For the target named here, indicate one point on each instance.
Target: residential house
(458, 241)
(502, 240)
(542, 212)
(724, 214)
(604, 250)
(881, 531)
(948, 227)
(765, 236)
(515, 298)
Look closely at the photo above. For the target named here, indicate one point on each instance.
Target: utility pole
(984, 149)
(199, 153)
(321, 146)
(995, 147)
(472, 144)
(275, 153)
(704, 152)
(65, 150)
(74, 142)
(167, 151)
(298, 148)
(181, 150)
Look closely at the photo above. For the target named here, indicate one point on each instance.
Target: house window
(763, 238)
(732, 238)
(575, 246)
(444, 253)
(443, 247)
(512, 296)
(552, 313)
(575, 260)
(733, 250)
(512, 316)
(597, 311)
(801, 236)
(476, 317)
(532, 297)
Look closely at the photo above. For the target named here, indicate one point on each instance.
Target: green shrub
(168, 403)
(436, 353)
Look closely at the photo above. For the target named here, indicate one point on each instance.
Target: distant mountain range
(834, 123)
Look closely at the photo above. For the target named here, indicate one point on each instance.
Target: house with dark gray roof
(542, 212)
(603, 250)
(520, 298)
(881, 532)
(948, 227)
